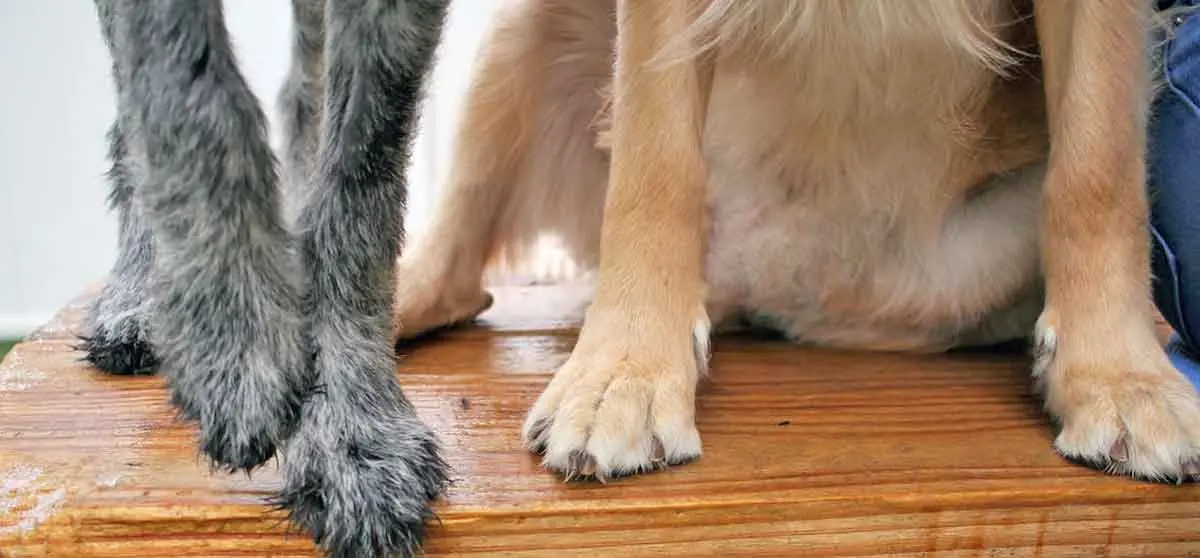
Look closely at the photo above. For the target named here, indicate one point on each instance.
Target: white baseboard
(16, 326)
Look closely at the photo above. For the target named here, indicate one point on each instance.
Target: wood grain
(807, 453)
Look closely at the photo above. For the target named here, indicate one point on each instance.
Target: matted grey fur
(268, 341)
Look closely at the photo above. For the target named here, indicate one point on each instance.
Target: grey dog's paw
(128, 353)
(243, 390)
(362, 489)
(116, 338)
(241, 424)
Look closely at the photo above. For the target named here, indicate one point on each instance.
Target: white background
(56, 233)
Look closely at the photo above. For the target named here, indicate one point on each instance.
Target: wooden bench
(807, 453)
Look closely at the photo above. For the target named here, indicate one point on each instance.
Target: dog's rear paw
(418, 314)
(363, 489)
(425, 303)
(116, 338)
(127, 353)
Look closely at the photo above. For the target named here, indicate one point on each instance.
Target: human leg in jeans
(1174, 175)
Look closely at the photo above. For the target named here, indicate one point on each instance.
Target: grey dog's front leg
(115, 337)
(115, 330)
(363, 468)
(300, 102)
(225, 317)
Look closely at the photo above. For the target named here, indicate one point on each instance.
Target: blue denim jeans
(1174, 186)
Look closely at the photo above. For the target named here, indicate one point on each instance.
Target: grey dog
(273, 334)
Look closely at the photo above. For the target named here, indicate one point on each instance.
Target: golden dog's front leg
(624, 402)
(1105, 377)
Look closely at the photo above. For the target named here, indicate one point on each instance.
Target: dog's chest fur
(843, 138)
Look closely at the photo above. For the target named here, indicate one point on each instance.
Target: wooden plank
(807, 452)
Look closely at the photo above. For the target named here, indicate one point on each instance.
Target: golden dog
(893, 175)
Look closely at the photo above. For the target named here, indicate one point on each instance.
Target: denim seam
(1191, 104)
(1175, 300)
(1170, 80)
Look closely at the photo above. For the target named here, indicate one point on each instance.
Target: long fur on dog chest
(843, 140)
(855, 30)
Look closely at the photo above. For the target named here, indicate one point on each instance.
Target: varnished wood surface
(807, 453)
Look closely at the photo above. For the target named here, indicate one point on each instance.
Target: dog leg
(1105, 377)
(362, 469)
(300, 103)
(441, 273)
(625, 400)
(525, 160)
(224, 321)
(115, 337)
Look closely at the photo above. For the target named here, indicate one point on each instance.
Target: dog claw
(1119, 451)
(658, 455)
(581, 465)
(1191, 469)
(537, 435)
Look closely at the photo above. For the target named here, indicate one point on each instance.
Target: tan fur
(525, 160)
(1102, 371)
(880, 175)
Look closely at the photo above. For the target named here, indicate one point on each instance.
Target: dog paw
(604, 417)
(125, 353)
(246, 398)
(362, 489)
(115, 338)
(239, 430)
(1126, 412)
(424, 304)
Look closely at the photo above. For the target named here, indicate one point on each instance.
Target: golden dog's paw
(426, 303)
(1126, 412)
(603, 417)
(605, 423)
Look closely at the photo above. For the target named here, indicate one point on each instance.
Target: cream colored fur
(876, 178)
(907, 269)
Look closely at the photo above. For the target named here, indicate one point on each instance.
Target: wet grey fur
(268, 339)
(300, 102)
